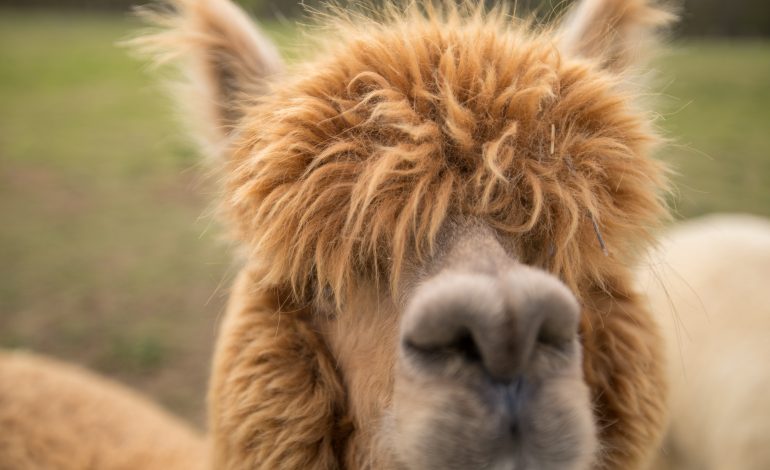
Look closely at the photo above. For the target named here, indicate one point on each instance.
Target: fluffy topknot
(346, 170)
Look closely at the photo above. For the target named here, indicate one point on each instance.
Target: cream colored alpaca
(55, 416)
(710, 286)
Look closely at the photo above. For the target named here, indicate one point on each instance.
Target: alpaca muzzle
(489, 366)
(492, 323)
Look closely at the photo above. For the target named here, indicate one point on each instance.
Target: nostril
(497, 326)
(449, 317)
(557, 340)
(466, 347)
(462, 345)
(559, 322)
(545, 310)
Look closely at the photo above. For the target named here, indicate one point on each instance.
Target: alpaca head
(451, 200)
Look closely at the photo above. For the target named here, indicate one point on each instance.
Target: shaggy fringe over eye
(415, 116)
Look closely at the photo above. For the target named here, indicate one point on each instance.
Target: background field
(107, 254)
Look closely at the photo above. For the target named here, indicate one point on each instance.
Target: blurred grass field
(107, 255)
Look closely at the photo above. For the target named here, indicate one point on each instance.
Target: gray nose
(495, 322)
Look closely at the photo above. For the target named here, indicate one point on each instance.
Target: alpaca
(708, 286)
(439, 214)
(60, 417)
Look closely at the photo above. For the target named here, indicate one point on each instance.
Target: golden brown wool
(59, 416)
(340, 176)
(345, 169)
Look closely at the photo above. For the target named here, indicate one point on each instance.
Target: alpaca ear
(224, 57)
(618, 33)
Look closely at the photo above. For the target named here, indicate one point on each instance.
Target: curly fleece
(345, 169)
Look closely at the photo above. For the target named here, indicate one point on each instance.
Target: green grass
(105, 258)
(717, 110)
(106, 255)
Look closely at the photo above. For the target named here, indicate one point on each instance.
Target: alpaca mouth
(514, 395)
(511, 426)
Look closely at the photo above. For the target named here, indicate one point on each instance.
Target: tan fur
(340, 178)
(226, 61)
(351, 167)
(616, 31)
(708, 285)
(364, 347)
(624, 368)
(275, 399)
(358, 160)
(57, 416)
